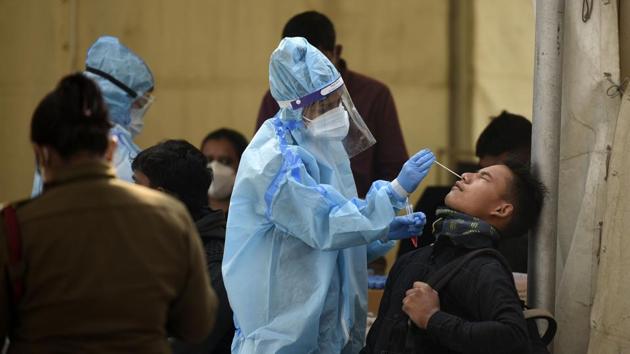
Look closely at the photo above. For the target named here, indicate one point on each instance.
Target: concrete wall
(210, 59)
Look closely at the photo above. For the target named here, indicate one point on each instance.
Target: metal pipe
(541, 283)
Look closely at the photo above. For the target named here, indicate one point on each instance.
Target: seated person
(479, 309)
(180, 169)
(508, 136)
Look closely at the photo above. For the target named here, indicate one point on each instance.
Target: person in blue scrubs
(126, 83)
(298, 238)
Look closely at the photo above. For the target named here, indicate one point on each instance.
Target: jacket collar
(88, 170)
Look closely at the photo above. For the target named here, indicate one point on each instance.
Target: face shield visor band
(113, 80)
(312, 97)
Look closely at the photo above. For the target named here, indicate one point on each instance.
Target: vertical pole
(460, 79)
(546, 149)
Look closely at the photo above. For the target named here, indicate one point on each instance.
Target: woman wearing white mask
(298, 238)
(223, 148)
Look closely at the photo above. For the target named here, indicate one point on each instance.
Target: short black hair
(318, 30)
(238, 141)
(507, 132)
(72, 118)
(179, 168)
(527, 194)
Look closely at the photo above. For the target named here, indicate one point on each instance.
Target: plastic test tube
(409, 209)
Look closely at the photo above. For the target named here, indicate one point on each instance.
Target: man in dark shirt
(372, 99)
(180, 169)
(478, 311)
(508, 136)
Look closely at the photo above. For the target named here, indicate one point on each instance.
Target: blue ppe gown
(110, 56)
(295, 254)
(120, 74)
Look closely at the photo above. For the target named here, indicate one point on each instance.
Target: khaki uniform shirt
(110, 267)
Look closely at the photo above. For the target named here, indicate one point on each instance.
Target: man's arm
(491, 297)
(223, 325)
(268, 108)
(421, 302)
(193, 313)
(224, 312)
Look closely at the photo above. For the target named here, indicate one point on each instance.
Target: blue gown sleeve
(324, 219)
(379, 248)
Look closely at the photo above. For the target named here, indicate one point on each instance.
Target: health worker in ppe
(296, 251)
(126, 83)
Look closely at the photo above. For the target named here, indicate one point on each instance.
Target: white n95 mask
(137, 121)
(137, 112)
(222, 181)
(334, 124)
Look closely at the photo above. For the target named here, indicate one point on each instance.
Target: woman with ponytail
(96, 264)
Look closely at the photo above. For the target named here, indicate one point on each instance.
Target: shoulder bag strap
(442, 276)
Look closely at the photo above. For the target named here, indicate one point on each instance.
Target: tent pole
(546, 150)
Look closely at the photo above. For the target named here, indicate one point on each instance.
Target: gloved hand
(378, 248)
(406, 226)
(415, 169)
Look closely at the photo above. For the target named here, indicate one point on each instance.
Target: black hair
(527, 194)
(72, 118)
(506, 132)
(318, 30)
(180, 169)
(238, 141)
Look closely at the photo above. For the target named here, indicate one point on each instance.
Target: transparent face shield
(143, 102)
(330, 114)
(138, 110)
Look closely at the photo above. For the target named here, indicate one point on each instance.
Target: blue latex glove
(378, 248)
(406, 226)
(415, 169)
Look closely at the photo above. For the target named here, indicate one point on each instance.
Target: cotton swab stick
(448, 169)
